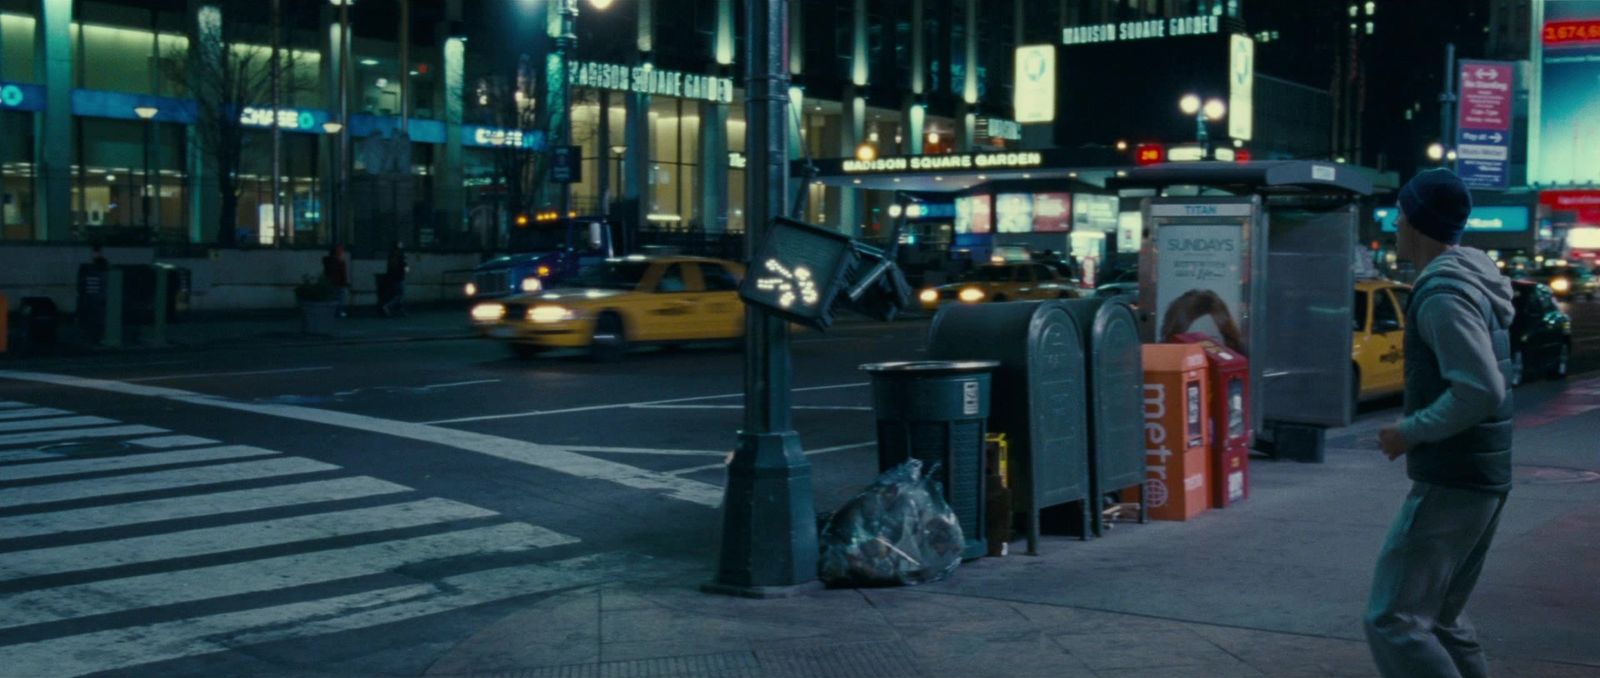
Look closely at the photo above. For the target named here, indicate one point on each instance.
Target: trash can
(139, 293)
(93, 297)
(180, 281)
(1228, 472)
(1038, 397)
(936, 411)
(1115, 376)
(38, 320)
(1176, 430)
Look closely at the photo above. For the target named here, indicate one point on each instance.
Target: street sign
(799, 271)
(565, 167)
(1483, 123)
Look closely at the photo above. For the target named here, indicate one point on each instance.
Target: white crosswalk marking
(30, 413)
(37, 437)
(10, 404)
(25, 455)
(239, 537)
(160, 480)
(270, 574)
(53, 423)
(172, 441)
(77, 466)
(175, 508)
(99, 651)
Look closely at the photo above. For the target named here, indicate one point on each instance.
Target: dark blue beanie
(1436, 203)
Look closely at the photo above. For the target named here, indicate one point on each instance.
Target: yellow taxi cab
(618, 302)
(999, 282)
(1377, 352)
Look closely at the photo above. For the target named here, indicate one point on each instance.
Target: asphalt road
(361, 509)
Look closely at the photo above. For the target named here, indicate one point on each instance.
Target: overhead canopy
(1250, 177)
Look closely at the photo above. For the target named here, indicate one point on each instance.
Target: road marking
(211, 540)
(70, 434)
(134, 461)
(728, 456)
(1587, 340)
(53, 423)
(613, 406)
(31, 412)
(645, 450)
(11, 404)
(454, 384)
(165, 641)
(532, 454)
(740, 407)
(176, 508)
(160, 480)
(202, 375)
(268, 574)
(163, 442)
(27, 455)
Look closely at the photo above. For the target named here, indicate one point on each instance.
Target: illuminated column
(915, 117)
(969, 85)
(449, 195)
(636, 161)
(52, 154)
(844, 213)
(205, 198)
(714, 131)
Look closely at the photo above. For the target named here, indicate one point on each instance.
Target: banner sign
(647, 79)
(1147, 29)
(1483, 121)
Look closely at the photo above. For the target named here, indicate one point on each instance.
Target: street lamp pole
(769, 530)
(146, 114)
(567, 47)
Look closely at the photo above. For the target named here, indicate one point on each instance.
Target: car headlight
(488, 312)
(531, 284)
(971, 295)
(471, 290)
(929, 296)
(543, 271)
(1560, 285)
(551, 314)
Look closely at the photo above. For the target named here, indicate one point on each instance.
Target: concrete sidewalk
(1271, 587)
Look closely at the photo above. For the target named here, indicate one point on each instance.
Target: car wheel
(1558, 369)
(610, 339)
(1519, 364)
(525, 351)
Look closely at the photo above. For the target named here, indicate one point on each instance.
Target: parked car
(1541, 334)
(1000, 283)
(621, 302)
(1377, 350)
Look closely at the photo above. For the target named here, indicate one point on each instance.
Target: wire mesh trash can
(937, 411)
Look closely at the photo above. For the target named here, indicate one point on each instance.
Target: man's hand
(1392, 443)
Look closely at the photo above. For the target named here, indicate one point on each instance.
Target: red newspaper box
(1176, 430)
(1229, 470)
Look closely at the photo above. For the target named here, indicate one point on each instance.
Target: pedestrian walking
(336, 271)
(1455, 436)
(395, 280)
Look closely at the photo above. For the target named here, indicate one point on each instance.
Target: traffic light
(802, 272)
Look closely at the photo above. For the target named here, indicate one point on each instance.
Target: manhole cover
(1554, 475)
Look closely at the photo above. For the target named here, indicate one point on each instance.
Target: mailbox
(1115, 378)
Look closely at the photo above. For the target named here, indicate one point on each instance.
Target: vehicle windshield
(988, 274)
(612, 275)
(539, 238)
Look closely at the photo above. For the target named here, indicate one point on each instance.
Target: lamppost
(147, 114)
(1210, 110)
(342, 143)
(333, 128)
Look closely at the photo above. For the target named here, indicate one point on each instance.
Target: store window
(737, 161)
(16, 176)
(674, 163)
(130, 182)
(586, 134)
(16, 47)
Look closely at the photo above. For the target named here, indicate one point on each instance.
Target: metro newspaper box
(1229, 471)
(1176, 430)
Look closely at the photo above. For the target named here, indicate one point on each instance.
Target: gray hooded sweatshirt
(1461, 341)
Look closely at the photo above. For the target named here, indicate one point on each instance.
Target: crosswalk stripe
(269, 574)
(132, 461)
(222, 539)
(72, 434)
(26, 455)
(53, 423)
(172, 441)
(177, 508)
(31, 412)
(159, 480)
(166, 641)
(10, 404)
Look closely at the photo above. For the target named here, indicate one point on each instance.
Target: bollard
(112, 338)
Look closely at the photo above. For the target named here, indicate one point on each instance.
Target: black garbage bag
(898, 531)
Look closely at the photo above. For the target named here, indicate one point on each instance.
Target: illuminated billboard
(1484, 218)
(1034, 92)
(1564, 129)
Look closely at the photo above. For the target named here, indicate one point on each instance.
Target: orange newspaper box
(1176, 430)
(1228, 472)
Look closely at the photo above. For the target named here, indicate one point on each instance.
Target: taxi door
(669, 307)
(1385, 370)
(721, 314)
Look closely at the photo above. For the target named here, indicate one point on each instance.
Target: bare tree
(228, 68)
(514, 102)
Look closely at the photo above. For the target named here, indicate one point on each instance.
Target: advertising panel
(1483, 123)
(1013, 212)
(1564, 103)
(1094, 212)
(1052, 212)
(1483, 219)
(963, 220)
(1200, 276)
(982, 214)
(1034, 98)
(1241, 86)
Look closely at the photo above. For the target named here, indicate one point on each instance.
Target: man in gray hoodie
(1455, 436)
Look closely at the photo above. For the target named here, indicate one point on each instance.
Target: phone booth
(1228, 469)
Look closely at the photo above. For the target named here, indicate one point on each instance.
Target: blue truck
(544, 254)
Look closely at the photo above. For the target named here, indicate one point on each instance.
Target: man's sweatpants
(1426, 572)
